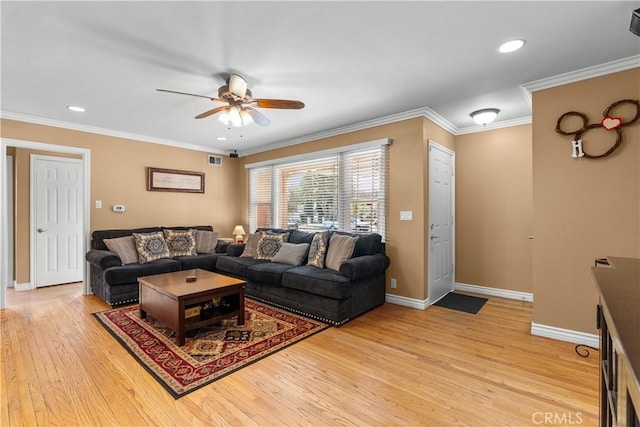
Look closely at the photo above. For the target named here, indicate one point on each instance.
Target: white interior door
(441, 218)
(57, 212)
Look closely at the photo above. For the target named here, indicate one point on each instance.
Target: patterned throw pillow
(151, 246)
(251, 246)
(124, 247)
(181, 242)
(340, 250)
(318, 249)
(269, 244)
(206, 241)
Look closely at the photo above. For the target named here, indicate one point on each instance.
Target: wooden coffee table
(166, 296)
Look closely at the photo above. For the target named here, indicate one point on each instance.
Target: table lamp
(238, 232)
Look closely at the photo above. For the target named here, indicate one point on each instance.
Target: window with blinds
(260, 201)
(341, 191)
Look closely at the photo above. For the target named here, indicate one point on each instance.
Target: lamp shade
(485, 116)
(238, 231)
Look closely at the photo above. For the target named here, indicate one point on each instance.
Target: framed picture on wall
(174, 180)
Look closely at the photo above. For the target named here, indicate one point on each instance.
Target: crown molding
(584, 74)
(103, 131)
(393, 118)
(426, 112)
(495, 125)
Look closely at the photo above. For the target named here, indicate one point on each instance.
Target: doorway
(84, 193)
(441, 221)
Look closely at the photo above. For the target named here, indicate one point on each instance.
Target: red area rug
(209, 353)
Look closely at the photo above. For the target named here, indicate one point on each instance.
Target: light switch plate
(406, 215)
(98, 204)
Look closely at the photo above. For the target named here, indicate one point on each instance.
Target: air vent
(215, 160)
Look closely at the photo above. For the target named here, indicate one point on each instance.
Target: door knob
(41, 230)
(434, 237)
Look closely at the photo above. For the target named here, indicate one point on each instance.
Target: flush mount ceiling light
(485, 116)
(511, 46)
(221, 138)
(76, 109)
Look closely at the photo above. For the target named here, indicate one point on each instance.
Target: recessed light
(76, 109)
(511, 46)
(221, 138)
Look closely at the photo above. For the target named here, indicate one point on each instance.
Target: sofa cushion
(203, 261)
(292, 253)
(318, 249)
(180, 242)
(98, 236)
(323, 282)
(298, 236)
(124, 247)
(206, 241)
(367, 244)
(268, 272)
(236, 266)
(340, 250)
(151, 246)
(269, 244)
(129, 273)
(251, 246)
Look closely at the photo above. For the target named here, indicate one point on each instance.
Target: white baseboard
(565, 335)
(502, 293)
(23, 286)
(407, 302)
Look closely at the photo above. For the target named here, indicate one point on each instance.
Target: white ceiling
(349, 62)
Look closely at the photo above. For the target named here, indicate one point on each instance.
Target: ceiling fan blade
(190, 94)
(257, 116)
(237, 86)
(285, 104)
(211, 112)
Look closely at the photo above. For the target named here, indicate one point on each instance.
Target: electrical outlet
(393, 283)
(98, 204)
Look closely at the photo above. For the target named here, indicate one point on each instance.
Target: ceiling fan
(240, 109)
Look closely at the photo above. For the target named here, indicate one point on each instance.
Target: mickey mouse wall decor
(609, 122)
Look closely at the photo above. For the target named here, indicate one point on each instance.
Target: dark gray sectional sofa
(331, 296)
(117, 284)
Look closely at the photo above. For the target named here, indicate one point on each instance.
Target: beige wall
(494, 208)
(118, 176)
(405, 240)
(582, 208)
(22, 200)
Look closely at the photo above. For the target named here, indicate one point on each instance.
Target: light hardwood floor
(391, 366)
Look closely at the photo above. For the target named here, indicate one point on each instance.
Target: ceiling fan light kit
(240, 110)
(485, 116)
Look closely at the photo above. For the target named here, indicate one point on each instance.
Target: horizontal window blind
(260, 201)
(362, 190)
(307, 194)
(343, 191)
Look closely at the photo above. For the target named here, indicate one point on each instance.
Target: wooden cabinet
(619, 324)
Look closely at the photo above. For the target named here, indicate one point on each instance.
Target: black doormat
(462, 302)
